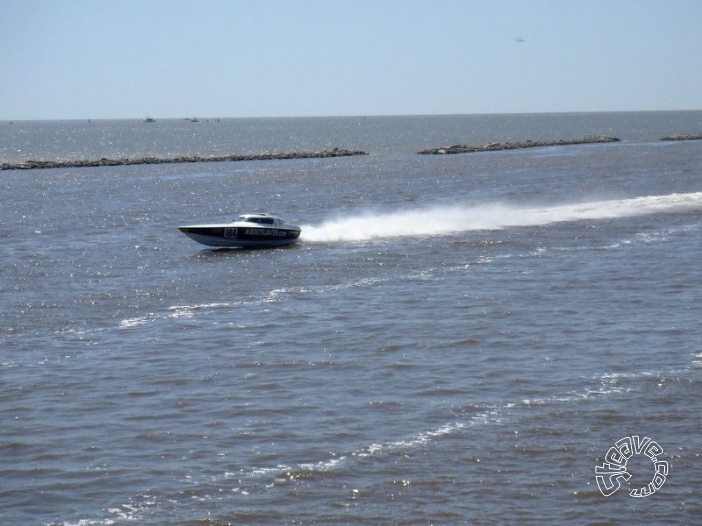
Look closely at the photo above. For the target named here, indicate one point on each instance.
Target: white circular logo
(609, 474)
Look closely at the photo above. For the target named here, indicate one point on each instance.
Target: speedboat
(248, 230)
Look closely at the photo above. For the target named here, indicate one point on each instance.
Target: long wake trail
(442, 220)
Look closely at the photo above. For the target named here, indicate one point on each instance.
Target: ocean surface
(454, 340)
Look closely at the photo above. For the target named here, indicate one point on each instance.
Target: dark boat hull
(241, 236)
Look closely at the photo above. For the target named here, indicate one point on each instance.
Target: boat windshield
(259, 220)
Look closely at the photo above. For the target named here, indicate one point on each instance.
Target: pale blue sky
(79, 59)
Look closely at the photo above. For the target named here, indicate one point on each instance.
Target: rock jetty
(687, 137)
(32, 165)
(498, 146)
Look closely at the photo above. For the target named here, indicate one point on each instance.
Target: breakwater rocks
(498, 146)
(32, 165)
(688, 137)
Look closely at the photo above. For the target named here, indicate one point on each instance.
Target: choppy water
(455, 339)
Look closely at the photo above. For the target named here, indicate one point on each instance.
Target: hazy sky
(79, 59)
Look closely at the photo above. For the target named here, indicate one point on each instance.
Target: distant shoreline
(688, 137)
(497, 146)
(35, 165)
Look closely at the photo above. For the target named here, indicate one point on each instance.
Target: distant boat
(248, 230)
(149, 119)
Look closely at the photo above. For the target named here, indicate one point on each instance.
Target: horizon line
(345, 116)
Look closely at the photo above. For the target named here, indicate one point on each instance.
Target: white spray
(442, 220)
